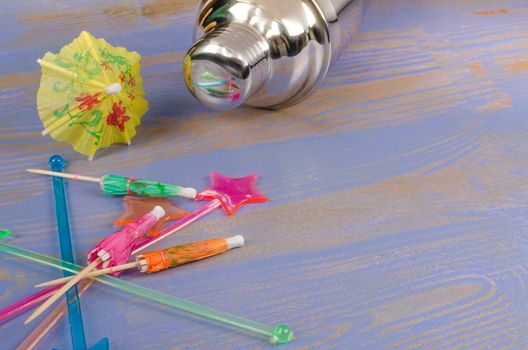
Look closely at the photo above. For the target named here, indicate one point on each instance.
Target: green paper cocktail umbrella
(120, 185)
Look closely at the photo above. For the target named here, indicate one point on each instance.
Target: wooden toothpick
(65, 175)
(91, 274)
(63, 290)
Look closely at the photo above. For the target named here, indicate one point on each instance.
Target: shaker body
(266, 53)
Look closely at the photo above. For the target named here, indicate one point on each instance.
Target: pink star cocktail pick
(226, 192)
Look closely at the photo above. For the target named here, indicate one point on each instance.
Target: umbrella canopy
(116, 249)
(91, 94)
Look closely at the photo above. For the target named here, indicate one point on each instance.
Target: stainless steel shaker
(266, 53)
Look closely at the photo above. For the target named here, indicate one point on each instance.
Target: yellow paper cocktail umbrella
(91, 94)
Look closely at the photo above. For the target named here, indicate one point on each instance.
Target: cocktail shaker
(266, 53)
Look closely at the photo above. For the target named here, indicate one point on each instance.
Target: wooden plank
(398, 191)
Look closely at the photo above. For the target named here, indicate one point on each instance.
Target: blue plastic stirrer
(57, 163)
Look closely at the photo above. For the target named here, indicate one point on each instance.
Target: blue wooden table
(398, 192)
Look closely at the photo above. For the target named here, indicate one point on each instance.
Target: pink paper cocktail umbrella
(116, 249)
(111, 251)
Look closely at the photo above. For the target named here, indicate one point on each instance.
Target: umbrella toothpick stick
(120, 185)
(91, 274)
(66, 175)
(63, 290)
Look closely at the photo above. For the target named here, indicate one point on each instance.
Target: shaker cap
(226, 66)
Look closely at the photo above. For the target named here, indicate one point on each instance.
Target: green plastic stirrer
(278, 335)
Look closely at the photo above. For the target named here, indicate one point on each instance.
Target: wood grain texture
(398, 207)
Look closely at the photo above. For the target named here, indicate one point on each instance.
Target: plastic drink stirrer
(27, 302)
(57, 163)
(277, 335)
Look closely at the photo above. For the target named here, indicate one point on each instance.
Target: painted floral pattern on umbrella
(74, 103)
(146, 188)
(87, 69)
(118, 116)
(87, 101)
(119, 185)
